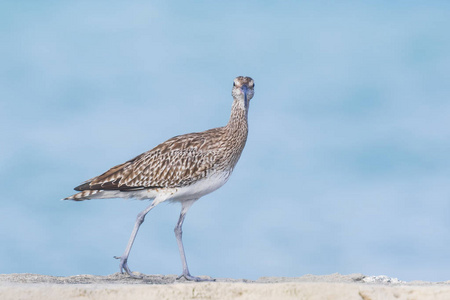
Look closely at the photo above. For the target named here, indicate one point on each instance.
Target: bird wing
(179, 161)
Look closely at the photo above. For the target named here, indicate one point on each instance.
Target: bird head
(243, 89)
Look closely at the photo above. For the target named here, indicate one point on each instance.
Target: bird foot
(123, 266)
(194, 278)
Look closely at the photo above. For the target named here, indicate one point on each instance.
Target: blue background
(347, 164)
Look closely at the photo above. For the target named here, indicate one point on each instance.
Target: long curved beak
(244, 89)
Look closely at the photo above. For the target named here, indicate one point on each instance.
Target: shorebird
(181, 169)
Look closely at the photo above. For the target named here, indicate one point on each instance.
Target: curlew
(181, 169)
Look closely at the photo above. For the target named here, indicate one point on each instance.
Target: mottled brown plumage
(179, 161)
(183, 168)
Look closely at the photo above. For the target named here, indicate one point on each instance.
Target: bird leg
(123, 266)
(179, 234)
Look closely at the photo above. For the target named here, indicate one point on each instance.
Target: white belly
(190, 192)
(200, 188)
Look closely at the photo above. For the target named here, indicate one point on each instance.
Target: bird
(182, 169)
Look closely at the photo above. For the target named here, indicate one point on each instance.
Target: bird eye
(234, 83)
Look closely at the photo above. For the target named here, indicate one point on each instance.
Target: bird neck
(238, 119)
(236, 132)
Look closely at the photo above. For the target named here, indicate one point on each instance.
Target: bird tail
(84, 195)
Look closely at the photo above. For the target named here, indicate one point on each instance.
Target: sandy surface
(118, 286)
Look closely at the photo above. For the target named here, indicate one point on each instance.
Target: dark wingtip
(82, 187)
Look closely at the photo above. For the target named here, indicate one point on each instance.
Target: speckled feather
(181, 160)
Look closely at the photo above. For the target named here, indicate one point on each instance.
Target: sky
(347, 163)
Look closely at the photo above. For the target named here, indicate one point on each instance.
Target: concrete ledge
(118, 286)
